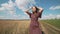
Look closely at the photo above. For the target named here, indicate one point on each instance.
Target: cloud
(2, 8)
(8, 7)
(51, 16)
(24, 4)
(1, 16)
(58, 16)
(10, 17)
(54, 7)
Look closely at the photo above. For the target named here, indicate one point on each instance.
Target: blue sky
(14, 9)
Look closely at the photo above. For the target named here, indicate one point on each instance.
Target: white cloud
(1, 16)
(58, 16)
(50, 16)
(2, 8)
(10, 17)
(8, 7)
(54, 7)
(10, 10)
(24, 4)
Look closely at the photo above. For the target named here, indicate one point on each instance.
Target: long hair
(37, 9)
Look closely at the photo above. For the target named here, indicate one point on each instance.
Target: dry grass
(14, 27)
(21, 26)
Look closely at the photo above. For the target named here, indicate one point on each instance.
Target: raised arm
(27, 11)
(40, 10)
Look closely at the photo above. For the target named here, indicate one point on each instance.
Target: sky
(15, 9)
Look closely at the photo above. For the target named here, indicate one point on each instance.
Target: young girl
(34, 25)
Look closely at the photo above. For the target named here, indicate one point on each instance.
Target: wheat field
(22, 26)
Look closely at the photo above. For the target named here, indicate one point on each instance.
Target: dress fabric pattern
(34, 24)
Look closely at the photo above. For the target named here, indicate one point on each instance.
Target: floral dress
(34, 24)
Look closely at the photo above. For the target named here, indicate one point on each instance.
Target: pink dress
(34, 25)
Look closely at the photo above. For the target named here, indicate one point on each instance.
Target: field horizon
(22, 26)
